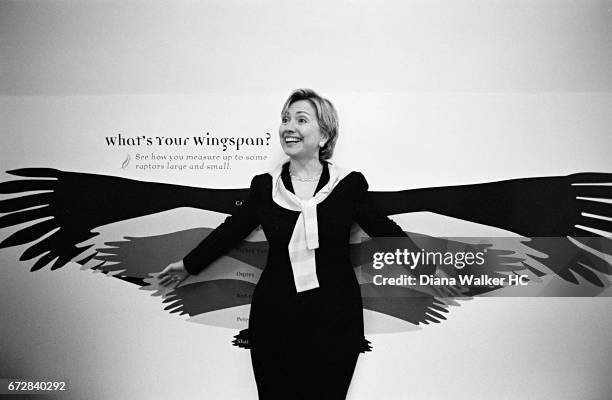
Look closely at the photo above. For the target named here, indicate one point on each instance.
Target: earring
(321, 144)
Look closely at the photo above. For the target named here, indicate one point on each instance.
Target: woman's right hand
(174, 273)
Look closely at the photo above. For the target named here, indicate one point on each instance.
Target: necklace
(307, 179)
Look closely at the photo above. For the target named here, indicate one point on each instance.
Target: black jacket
(333, 312)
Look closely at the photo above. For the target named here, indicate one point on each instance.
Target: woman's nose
(286, 129)
(290, 126)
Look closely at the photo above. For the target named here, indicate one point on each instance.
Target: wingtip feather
(35, 172)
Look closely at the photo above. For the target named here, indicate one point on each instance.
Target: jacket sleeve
(235, 228)
(373, 222)
(377, 224)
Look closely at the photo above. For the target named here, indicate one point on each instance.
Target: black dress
(303, 345)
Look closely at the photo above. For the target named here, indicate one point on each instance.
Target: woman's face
(300, 134)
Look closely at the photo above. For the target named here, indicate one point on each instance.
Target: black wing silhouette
(71, 205)
(564, 216)
(532, 207)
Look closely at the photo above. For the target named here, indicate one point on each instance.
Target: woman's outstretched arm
(235, 228)
(373, 220)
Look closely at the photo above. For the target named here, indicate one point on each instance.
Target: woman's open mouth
(292, 139)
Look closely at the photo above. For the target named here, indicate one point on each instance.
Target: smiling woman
(301, 347)
(309, 119)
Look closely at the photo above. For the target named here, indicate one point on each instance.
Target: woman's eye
(302, 120)
(284, 120)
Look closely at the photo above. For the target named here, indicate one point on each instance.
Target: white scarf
(305, 237)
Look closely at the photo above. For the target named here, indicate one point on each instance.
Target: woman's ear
(323, 140)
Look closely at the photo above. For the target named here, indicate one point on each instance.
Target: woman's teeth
(292, 140)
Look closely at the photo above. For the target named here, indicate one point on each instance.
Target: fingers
(169, 277)
(173, 274)
(165, 281)
(169, 270)
(163, 273)
(179, 281)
